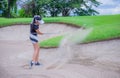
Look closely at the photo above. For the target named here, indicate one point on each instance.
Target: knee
(38, 48)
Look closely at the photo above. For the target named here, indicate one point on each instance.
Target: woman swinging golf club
(34, 31)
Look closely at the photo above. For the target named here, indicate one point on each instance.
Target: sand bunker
(93, 60)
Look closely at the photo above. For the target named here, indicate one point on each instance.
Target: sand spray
(65, 52)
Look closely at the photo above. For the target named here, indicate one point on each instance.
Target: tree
(65, 6)
(11, 6)
(81, 7)
(3, 7)
(34, 7)
(8, 7)
(86, 8)
(54, 7)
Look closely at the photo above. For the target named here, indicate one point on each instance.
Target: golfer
(34, 32)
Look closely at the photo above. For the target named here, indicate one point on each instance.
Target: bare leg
(36, 52)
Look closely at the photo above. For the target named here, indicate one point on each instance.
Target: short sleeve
(35, 27)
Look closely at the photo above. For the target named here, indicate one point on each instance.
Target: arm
(39, 32)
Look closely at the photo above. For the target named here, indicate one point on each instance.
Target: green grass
(52, 42)
(13, 21)
(104, 27)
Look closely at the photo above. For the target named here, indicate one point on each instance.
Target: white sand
(93, 60)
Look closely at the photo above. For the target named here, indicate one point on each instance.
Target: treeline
(29, 8)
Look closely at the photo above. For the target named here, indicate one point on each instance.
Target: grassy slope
(104, 27)
(12, 21)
